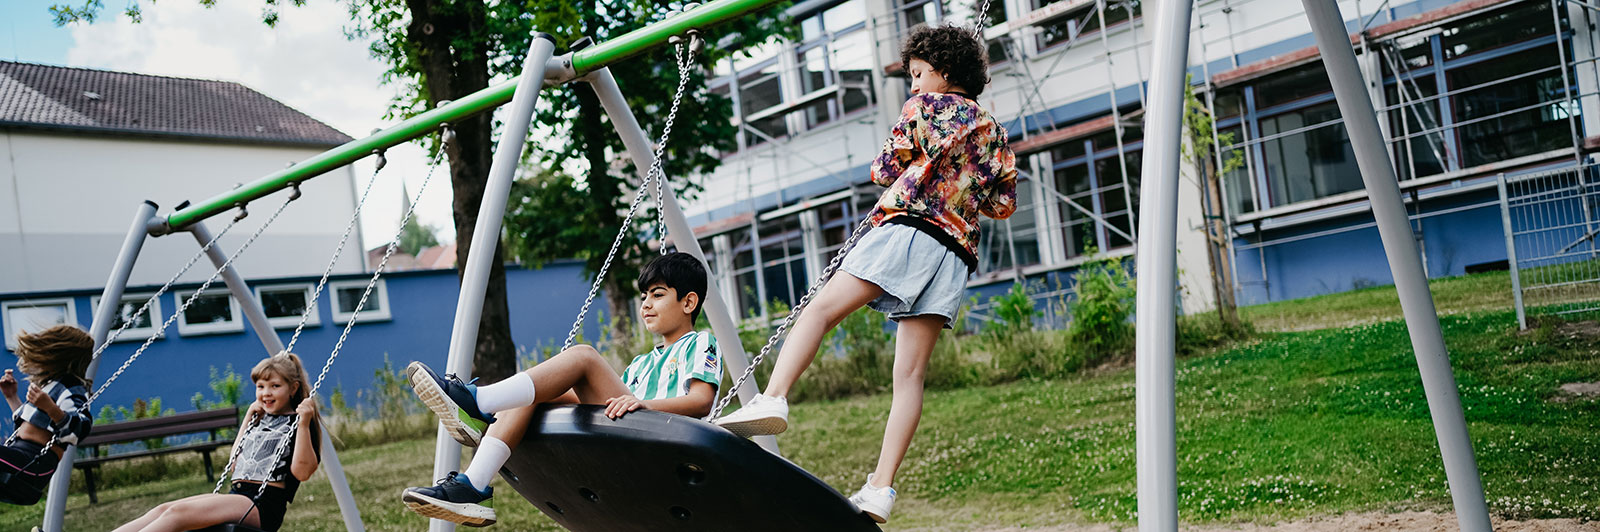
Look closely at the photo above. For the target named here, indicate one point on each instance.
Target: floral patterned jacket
(945, 163)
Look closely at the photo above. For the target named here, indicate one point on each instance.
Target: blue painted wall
(422, 304)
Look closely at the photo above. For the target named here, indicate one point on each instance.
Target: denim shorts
(919, 275)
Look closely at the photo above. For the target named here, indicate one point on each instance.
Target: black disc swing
(653, 471)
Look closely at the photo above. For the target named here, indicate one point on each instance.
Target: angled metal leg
(485, 236)
(1422, 319)
(633, 136)
(104, 315)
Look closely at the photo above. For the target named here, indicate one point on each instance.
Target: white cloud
(305, 62)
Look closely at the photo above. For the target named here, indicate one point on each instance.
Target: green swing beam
(582, 62)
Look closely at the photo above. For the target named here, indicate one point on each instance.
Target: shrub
(1013, 311)
(1100, 313)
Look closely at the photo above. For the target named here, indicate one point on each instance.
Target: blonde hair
(54, 354)
(287, 366)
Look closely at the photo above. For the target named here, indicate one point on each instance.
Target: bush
(1100, 313)
(1013, 311)
(1205, 332)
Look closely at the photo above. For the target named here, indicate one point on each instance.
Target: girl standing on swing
(281, 396)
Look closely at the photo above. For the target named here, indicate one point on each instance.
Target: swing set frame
(541, 68)
(1156, 417)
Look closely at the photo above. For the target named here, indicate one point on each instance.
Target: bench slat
(197, 447)
(185, 423)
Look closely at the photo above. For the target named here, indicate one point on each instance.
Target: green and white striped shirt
(664, 373)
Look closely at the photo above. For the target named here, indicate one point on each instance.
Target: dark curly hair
(951, 51)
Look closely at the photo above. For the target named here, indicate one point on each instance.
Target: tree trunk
(1216, 248)
(448, 74)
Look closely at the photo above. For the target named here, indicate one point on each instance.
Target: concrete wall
(66, 202)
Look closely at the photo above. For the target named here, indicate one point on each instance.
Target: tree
(588, 207)
(416, 237)
(1201, 131)
(446, 49)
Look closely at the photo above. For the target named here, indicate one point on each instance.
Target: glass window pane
(210, 308)
(285, 302)
(852, 61)
(1516, 23)
(349, 296)
(1236, 183)
(1299, 83)
(760, 90)
(844, 15)
(125, 310)
(813, 69)
(1419, 155)
(1311, 164)
(1542, 128)
(35, 318)
(1073, 179)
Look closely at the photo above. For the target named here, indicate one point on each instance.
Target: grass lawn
(1301, 422)
(1291, 425)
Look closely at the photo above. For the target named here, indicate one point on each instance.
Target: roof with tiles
(105, 102)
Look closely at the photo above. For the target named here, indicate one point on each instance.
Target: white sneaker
(874, 501)
(764, 415)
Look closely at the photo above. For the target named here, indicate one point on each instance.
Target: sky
(306, 62)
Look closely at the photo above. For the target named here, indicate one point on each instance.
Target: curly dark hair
(952, 51)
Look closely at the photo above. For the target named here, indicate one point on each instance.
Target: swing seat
(652, 471)
(230, 527)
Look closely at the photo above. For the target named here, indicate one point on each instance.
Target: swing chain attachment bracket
(244, 210)
(294, 187)
(447, 135)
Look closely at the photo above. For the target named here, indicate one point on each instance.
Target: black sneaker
(453, 499)
(455, 402)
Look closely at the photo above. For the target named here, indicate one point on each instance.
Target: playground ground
(1323, 427)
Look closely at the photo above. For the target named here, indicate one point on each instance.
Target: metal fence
(1551, 221)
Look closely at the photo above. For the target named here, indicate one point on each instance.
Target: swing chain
(394, 244)
(89, 401)
(311, 305)
(655, 174)
(827, 273)
(981, 23)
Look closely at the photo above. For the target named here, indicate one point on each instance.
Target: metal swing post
(104, 315)
(486, 236)
(1405, 263)
(716, 307)
(253, 312)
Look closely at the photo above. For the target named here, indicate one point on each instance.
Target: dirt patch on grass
(1578, 391)
(1372, 521)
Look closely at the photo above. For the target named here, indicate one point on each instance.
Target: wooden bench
(208, 421)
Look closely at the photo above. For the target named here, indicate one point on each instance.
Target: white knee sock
(514, 392)
(490, 456)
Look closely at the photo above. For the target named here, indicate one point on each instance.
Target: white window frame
(289, 322)
(233, 325)
(380, 292)
(132, 334)
(11, 330)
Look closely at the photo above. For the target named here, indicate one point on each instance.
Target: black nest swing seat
(652, 471)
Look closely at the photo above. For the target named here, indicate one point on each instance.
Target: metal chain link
(827, 273)
(981, 23)
(394, 243)
(655, 173)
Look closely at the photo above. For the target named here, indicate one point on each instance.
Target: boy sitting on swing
(680, 376)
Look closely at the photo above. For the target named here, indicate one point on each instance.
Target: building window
(142, 329)
(1093, 190)
(1013, 242)
(34, 315)
(745, 270)
(1508, 120)
(211, 313)
(347, 294)
(1313, 163)
(1077, 22)
(783, 258)
(284, 304)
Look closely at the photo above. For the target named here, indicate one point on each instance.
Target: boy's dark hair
(953, 52)
(56, 354)
(681, 272)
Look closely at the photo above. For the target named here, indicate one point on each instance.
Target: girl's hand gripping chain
(45, 404)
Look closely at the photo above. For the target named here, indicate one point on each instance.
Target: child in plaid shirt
(54, 360)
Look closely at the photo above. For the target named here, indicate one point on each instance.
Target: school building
(1468, 89)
